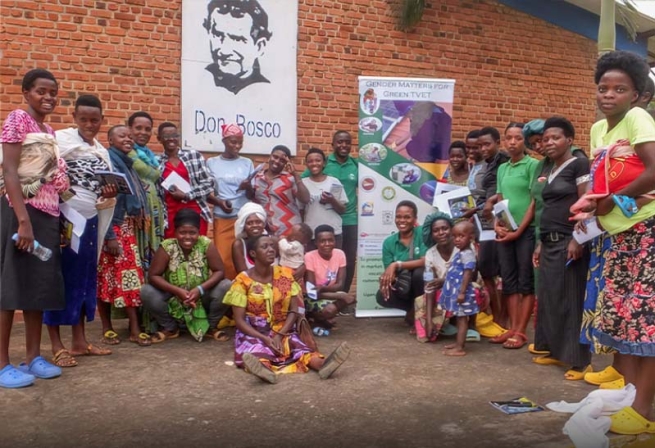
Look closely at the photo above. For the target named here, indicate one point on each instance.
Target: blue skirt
(80, 279)
(595, 284)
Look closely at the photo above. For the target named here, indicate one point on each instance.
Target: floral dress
(267, 307)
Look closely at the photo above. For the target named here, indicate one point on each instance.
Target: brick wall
(508, 65)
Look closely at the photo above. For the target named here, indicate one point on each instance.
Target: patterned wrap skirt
(625, 311)
(120, 277)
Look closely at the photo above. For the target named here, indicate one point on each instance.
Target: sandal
(143, 340)
(577, 375)
(517, 341)
(63, 358)
(110, 337)
(219, 335)
(162, 336)
(547, 361)
(92, 350)
(502, 338)
(629, 422)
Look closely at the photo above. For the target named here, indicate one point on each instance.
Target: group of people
(143, 251)
(284, 250)
(592, 294)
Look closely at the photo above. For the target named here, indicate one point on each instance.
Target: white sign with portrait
(239, 66)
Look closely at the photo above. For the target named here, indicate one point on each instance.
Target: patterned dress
(267, 307)
(463, 260)
(278, 197)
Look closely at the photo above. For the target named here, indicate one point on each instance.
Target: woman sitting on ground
(265, 302)
(250, 223)
(186, 283)
(403, 258)
(326, 270)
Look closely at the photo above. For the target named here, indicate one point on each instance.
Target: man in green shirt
(344, 167)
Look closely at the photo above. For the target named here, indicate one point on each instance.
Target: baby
(458, 295)
(292, 247)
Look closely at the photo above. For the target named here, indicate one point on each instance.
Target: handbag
(305, 334)
(402, 285)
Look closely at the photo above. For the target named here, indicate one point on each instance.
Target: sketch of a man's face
(231, 45)
(238, 35)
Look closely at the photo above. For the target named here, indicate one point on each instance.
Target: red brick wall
(508, 65)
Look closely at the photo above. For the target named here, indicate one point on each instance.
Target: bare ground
(393, 392)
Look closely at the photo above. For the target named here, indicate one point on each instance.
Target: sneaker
(255, 366)
(12, 378)
(40, 368)
(334, 361)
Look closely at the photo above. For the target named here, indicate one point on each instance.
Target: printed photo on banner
(236, 60)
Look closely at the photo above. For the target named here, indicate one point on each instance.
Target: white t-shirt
(317, 213)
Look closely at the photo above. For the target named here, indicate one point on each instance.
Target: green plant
(409, 13)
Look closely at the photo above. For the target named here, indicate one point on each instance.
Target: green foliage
(409, 14)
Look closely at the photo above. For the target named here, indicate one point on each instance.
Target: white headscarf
(250, 208)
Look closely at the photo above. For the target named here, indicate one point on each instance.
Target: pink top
(325, 271)
(17, 125)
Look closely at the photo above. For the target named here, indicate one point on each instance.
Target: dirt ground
(393, 392)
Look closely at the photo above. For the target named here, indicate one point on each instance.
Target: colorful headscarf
(427, 226)
(231, 130)
(534, 127)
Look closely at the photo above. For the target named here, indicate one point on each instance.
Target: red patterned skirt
(120, 277)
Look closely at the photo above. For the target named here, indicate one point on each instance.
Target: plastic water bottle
(428, 275)
(39, 251)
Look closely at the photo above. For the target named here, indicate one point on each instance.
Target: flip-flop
(12, 378)
(472, 336)
(629, 422)
(575, 375)
(40, 368)
(502, 338)
(143, 340)
(160, 336)
(63, 358)
(92, 350)
(220, 336)
(547, 361)
(534, 351)
(110, 337)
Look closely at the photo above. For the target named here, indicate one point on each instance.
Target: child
(292, 248)
(326, 269)
(458, 293)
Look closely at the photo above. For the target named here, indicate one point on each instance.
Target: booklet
(485, 227)
(454, 203)
(592, 231)
(175, 180)
(502, 214)
(114, 178)
(311, 291)
(519, 405)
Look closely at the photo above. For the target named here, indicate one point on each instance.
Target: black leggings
(404, 303)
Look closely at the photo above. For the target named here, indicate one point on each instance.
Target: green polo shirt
(515, 183)
(394, 250)
(347, 174)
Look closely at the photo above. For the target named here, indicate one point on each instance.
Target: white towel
(590, 420)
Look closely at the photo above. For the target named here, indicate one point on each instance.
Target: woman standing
(403, 258)
(30, 210)
(265, 302)
(231, 174)
(278, 189)
(120, 271)
(458, 167)
(625, 309)
(191, 167)
(84, 156)
(516, 247)
(327, 196)
(146, 166)
(562, 262)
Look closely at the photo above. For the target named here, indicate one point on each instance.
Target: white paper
(311, 290)
(592, 231)
(75, 243)
(78, 221)
(176, 180)
(443, 187)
